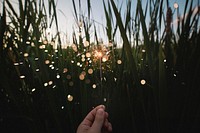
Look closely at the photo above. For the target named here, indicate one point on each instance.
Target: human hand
(95, 122)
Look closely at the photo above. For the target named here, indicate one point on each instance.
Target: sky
(65, 12)
(66, 18)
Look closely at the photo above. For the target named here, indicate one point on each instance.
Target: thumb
(99, 120)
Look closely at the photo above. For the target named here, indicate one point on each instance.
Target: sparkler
(98, 54)
(101, 54)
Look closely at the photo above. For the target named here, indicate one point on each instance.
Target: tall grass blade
(89, 8)
(132, 64)
(2, 29)
(75, 10)
(108, 22)
(126, 42)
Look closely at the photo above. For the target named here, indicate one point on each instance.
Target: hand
(96, 122)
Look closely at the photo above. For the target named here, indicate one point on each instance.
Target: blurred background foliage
(149, 85)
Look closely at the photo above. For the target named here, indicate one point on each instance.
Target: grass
(150, 84)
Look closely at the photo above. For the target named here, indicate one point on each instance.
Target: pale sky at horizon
(66, 7)
(66, 18)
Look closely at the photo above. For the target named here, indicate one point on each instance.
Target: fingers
(99, 120)
(96, 121)
(107, 126)
(89, 119)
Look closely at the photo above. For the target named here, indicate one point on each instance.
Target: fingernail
(103, 107)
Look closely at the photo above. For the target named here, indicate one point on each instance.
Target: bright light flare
(98, 54)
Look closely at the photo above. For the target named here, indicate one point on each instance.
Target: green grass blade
(89, 8)
(108, 22)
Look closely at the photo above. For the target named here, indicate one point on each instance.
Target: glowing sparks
(98, 54)
(105, 58)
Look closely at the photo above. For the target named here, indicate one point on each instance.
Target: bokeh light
(65, 70)
(71, 83)
(90, 71)
(70, 98)
(81, 76)
(47, 62)
(94, 86)
(58, 76)
(22, 77)
(86, 44)
(45, 84)
(119, 62)
(69, 76)
(88, 54)
(143, 82)
(50, 82)
(176, 5)
(25, 55)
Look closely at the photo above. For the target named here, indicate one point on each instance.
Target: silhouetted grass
(150, 84)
